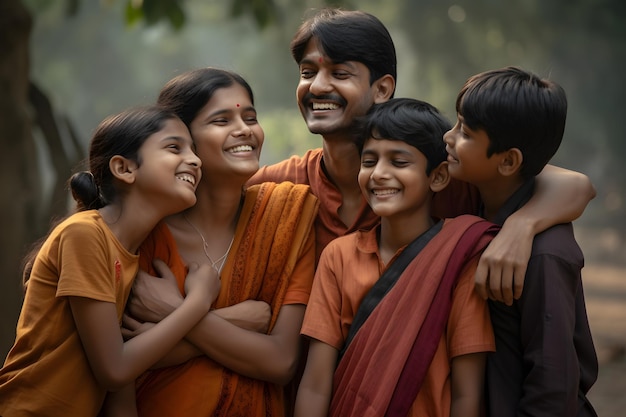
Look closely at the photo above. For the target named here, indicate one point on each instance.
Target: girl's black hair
(122, 134)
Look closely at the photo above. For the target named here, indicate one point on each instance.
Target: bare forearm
(147, 348)
(270, 357)
(560, 196)
(181, 353)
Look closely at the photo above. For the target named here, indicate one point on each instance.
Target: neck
(397, 233)
(130, 227)
(342, 162)
(495, 194)
(217, 207)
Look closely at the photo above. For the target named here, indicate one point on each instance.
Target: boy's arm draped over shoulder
(560, 196)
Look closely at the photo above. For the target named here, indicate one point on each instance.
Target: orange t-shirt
(47, 373)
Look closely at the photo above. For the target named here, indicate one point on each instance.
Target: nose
(321, 83)
(379, 171)
(448, 138)
(193, 159)
(242, 129)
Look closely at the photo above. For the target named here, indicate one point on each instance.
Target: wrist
(525, 225)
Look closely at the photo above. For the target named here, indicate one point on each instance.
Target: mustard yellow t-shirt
(46, 373)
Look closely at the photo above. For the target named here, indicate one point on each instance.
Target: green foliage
(155, 11)
(264, 12)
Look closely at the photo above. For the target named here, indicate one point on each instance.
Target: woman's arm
(560, 196)
(250, 315)
(116, 363)
(467, 381)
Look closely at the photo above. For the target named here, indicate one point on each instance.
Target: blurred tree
(579, 43)
(29, 123)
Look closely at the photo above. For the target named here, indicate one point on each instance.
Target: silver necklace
(218, 264)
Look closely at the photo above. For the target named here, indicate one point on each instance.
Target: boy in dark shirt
(509, 124)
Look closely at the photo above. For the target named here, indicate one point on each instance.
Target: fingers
(129, 322)
(481, 278)
(506, 285)
(520, 274)
(496, 281)
(163, 270)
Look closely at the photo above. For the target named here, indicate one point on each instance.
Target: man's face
(331, 95)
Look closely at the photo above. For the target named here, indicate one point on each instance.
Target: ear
(123, 169)
(510, 162)
(385, 86)
(439, 177)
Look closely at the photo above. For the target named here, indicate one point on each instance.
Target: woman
(259, 239)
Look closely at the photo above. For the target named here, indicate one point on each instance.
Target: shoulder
(344, 243)
(296, 169)
(83, 223)
(558, 241)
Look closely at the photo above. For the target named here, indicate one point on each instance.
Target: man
(341, 76)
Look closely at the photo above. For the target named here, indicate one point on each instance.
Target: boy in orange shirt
(408, 267)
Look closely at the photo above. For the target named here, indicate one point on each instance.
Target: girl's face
(228, 136)
(169, 170)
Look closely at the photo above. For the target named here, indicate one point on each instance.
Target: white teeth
(325, 106)
(384, 192)
(186, 177)
(241, 148)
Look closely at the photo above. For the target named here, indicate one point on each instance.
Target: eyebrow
(227, 111)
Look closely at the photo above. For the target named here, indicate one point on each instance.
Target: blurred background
(66, 65)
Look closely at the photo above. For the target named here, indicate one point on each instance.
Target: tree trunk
(19, 171)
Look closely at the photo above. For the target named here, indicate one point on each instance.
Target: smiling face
(393, 179)
(330, 95)
(228, 136)
(168, 170)
(467, 154)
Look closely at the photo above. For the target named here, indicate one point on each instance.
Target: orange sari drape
(274, 225)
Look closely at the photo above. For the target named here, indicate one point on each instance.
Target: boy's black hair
(414, 122)
(349, 35)
(516, 109)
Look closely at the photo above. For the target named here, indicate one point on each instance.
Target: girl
(69, 349)
(259, 239)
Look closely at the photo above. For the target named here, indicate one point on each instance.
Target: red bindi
(237, 104)
(321, 60)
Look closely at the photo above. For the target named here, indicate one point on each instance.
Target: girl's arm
(116, 363)
(121, 403)
(467, 381)
(269, 357)
(250, 315)
(560, 197)
(315, 390)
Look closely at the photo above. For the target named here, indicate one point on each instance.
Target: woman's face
(228, 136)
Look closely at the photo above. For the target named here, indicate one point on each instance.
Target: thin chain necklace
(218, 264)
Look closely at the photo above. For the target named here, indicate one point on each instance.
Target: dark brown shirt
(545, 361)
